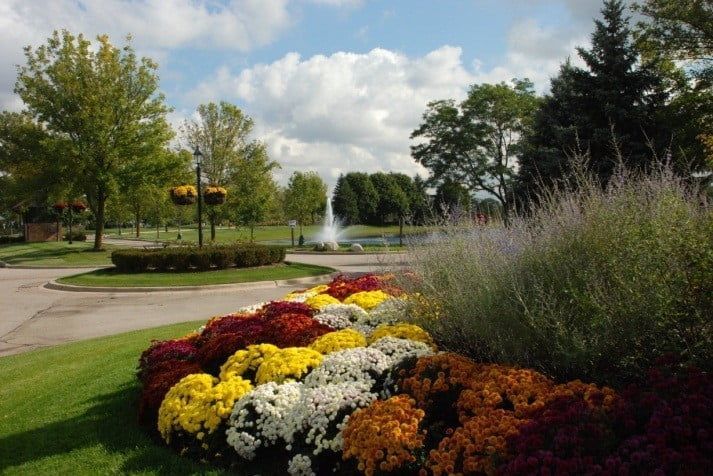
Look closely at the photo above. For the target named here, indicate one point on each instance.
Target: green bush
(77, 235)
(8, 239)
(595, 284)
(201, 259)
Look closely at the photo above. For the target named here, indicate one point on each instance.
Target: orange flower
(384, 435)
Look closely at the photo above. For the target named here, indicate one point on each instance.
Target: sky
(332, 85)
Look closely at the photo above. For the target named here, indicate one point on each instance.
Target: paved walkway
(32, 316)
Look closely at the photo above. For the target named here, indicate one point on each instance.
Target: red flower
(161, 351)
(157, 383)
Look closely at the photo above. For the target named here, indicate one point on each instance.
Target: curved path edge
(57, 286)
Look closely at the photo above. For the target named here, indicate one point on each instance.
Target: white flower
(251, 308)
(389, 311)
(399, 349)
(300, 465)
(360, 364)
(318, 419)
(257, 418)
(341, 316)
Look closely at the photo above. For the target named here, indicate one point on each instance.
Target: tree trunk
(99, 219)
(401, 231)
(212, 227)
(137, 217)
(252, 233)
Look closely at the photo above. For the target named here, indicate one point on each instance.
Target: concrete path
(32, 316)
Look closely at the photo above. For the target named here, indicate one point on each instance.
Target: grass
(262, 233)
(71, 410)
(55, 254)
(110, 277)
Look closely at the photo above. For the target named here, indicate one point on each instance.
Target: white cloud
(535, 52)
(156, 25)
(342, 112)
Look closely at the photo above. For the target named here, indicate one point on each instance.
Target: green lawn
(262, 233)
(71, 410)
(54, 253)
(109, 277)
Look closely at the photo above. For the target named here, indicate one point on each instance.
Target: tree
(305, 197)
(344, 202)
(103, 102)
(144, 189)
(253, 189)
(452, 198)
(393, 204)
(367, 198)
(681, 29)
(610, 112)
(221, 133)
(477, 142)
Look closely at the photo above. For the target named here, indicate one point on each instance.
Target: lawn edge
(57, 286)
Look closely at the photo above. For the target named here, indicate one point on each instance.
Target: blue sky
(333, 85)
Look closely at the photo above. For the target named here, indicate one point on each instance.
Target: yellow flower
(287, 364)
(199, 403)
(320, 301)
(402, 331)
(367, 300)
(339, 340)
(246, 360)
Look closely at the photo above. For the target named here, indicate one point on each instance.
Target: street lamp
(198, 157)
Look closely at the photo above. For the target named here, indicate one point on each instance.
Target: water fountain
(329, 235)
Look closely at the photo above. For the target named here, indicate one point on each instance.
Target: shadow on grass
(35, 254)
(110, 423)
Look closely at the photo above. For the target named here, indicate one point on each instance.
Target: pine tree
(608, 111)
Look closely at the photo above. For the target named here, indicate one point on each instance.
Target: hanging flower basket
(78, 207)
(59, 207)
(215, 195)
(184, 195)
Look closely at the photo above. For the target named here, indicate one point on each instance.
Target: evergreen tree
(609, 111)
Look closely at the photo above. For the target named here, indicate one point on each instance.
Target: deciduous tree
(104, 102)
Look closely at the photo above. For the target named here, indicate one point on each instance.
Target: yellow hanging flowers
(199, 403)
(339, 340)
(367, 300)
(246, 360)
(401, 331)
(320, 301)
(291, 363)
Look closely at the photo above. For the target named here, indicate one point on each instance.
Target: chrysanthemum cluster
(330, 381)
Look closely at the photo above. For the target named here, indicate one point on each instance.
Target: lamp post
(198, 157)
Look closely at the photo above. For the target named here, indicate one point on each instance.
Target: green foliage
(393, 203)
(102, 103)
(253, 190)
(595, 284)
(477, 141)
(305, 197)
(345, 203)
(202, 259)
(451, 196)
(366, 196)
(623, 108)
(681, 29)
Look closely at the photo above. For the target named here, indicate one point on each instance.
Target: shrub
(77, 235)
(201, 259)
(595, 284)
(7, 239)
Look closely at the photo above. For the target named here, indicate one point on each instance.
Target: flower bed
(329, 381)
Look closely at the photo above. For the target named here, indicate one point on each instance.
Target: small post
(292, 235)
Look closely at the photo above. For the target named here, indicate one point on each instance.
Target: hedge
(191, 258)
(7, 239)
